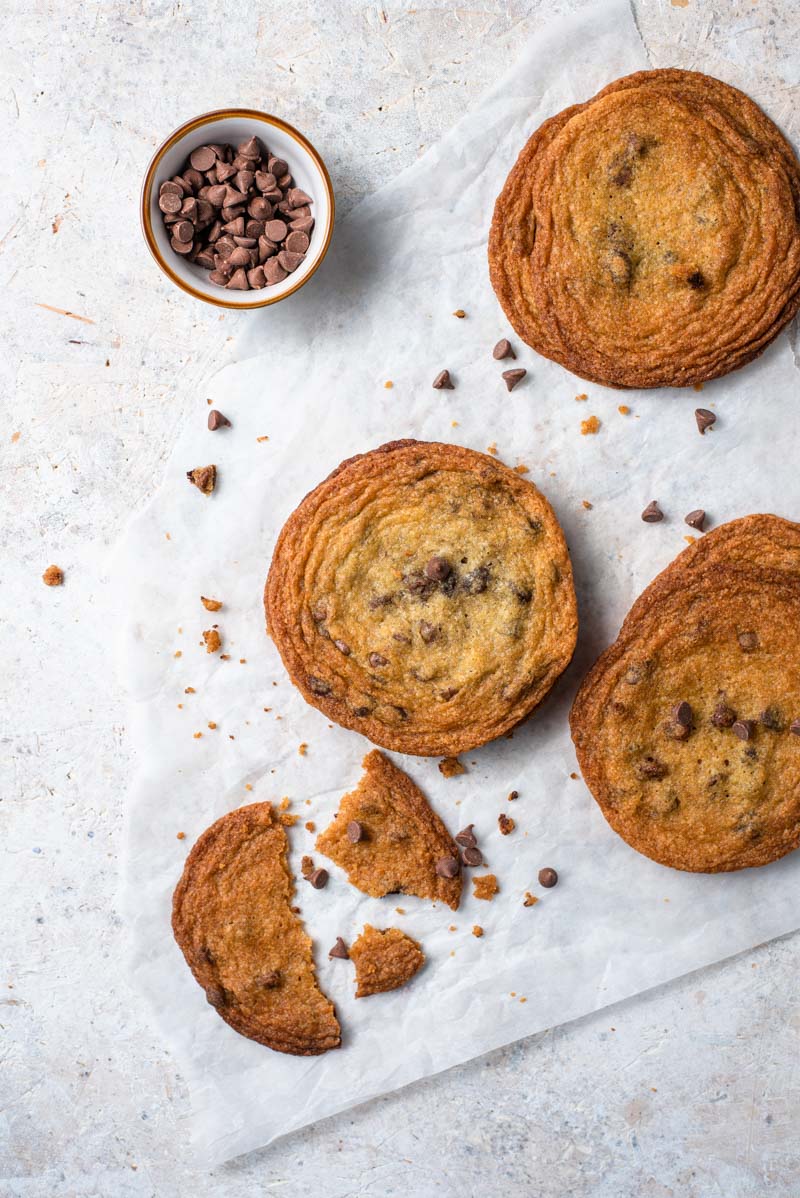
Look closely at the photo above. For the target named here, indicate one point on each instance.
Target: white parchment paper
(311, 379)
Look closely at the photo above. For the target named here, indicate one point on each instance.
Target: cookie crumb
(513, 795)
(178, 653)
(211, 725)
(180, 835)
(248, 786)
(388, 384)
(400, 910)
(477, 930)
(264, 438)
(588, 505)
(505, 824)
(574, 777)
(307, 866)
(486, 887)
(197, 735)
(452, 928)
(53, 576)
(302, 749)
(224, 656)
(623, 409)
(204, 478)
(492, 449)
(211, 604)
(530, 900)
(213, 640)
(521, 469)
(580, 398)
(460, 313)
(451, 767)
(287, 820)
(310, 826)
(590, 427)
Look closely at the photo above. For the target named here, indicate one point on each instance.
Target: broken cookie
(389, 840)
(384, 960)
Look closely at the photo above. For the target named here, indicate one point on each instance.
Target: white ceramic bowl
(234, 125)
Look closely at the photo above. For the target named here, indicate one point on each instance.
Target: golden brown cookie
(422, 594)
(384, 960)
(649, 237)
(389, 841)
(687, 729)
(233, 919)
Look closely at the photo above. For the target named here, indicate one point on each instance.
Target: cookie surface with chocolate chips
(636, 226)
(388, 839)
(423, 595)
(385, 959)
(233, 920)
(682, 727)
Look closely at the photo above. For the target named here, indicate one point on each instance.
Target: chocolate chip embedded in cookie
(725, 793)
(423, 595)
(389, 840)
(634, 227)
(233, 919)
(384, 960)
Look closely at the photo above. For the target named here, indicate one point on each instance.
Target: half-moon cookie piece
(385, 959)
(649, 237)
(422, 594)
(233, 920)
(687, 729)
(388, 839)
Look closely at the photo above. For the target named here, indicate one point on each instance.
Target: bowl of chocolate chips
(237, 208)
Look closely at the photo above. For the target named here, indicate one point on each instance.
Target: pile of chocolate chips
(236, 213)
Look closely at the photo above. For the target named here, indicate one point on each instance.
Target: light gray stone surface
(688, 1091)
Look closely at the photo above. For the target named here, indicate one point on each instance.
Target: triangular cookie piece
(232, 917)
(389, 841)
(384, 959)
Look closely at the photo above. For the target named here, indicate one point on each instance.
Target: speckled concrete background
(688, 1091)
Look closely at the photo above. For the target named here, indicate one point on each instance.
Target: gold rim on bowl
(147, 187)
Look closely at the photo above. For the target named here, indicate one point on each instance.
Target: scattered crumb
(388, 384)
(454, 424)
(288, 821)
(514, 794)
(460, 313)
(168, 536)
(284, 804)
(695, 386)
(213, 640)
(204, 478)
(590, 427)
(224, 656)
(521, 469)
(307, 866)
(452, 928)
(400, 910)
(505, 824)
(265, 438)
(477, 930)
(267, 709)
(180, 835)
(302, 749)
(690, 540)
(451, 767)
(623, 409)
(189, 690)
(574, 777)
(178, 653)
(180, 707)
(53, 576)
(588, 505)
(15, 437)
(523, 999)
(242, 661)
(486, 887)
(198, 735)
(310, 826)
(492, 449)
(211, 604)
(530, 900)
(580, 398)
(211, 725)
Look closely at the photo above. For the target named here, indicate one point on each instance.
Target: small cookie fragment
(388, 839)
(590, 426)
(485, 887)
(451, 767)
(530, 900)
(53, 576)
(211, 604)
(213, 640)
(385, 959)
(477, 931)
(203, 477)
(505, 824)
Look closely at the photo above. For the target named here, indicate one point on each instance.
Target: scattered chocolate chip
(339, 950)
(466, 837)
(318, 878)
(216, 996)
(270, 980)
(503, 350)
(505, 824)
(794, 727)
(443, 382)
(380, 601)
(343, 647)
(472, 856)
(772, 718)
(704, 419)
(217, 420)
(355, 831)
(682, 714)
(376, 660)
(438, 568)
(652, 514)
(204, 478)
(317, 686)
(696, 280)
(547, 877)
(748, 641)
(514, 794)
(696, 519)
(447, 867)
(723, 716)
(744, 729)
(512, 377)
